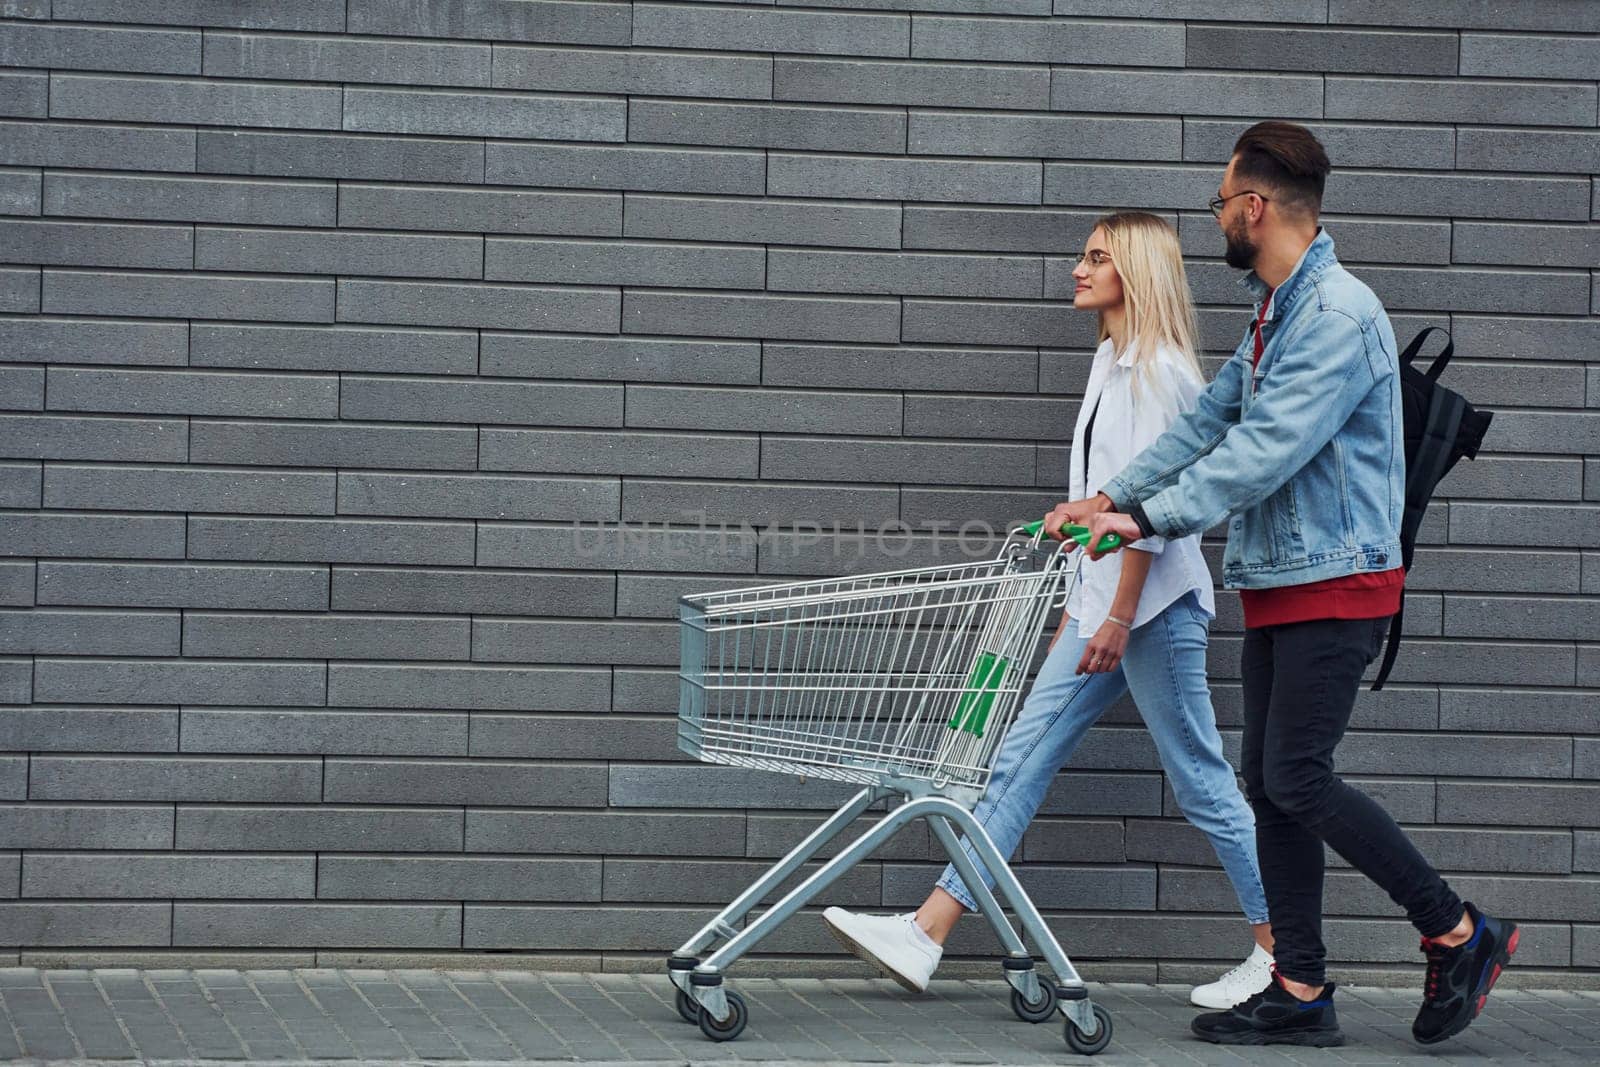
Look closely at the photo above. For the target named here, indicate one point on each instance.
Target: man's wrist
(1136, 513)
(1109, 504)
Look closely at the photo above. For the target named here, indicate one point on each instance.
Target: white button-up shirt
(1130, 417)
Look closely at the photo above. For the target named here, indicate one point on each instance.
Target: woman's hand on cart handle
(1075, 513)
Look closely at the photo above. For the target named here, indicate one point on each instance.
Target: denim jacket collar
(1318, 254)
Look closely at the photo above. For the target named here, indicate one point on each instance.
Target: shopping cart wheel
(1037, 1011)
(728, 1028)
(688, 1007)
(1090, 1043)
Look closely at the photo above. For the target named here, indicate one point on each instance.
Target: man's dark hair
(1288, 159)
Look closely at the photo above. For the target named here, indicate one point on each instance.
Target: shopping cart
(903, 683)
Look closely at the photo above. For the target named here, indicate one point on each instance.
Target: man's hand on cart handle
(1110, 531)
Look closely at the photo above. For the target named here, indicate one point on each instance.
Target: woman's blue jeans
(1165, 668)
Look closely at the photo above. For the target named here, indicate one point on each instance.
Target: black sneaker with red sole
(1459, 979)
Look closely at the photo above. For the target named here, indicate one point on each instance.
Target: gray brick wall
(322, 320)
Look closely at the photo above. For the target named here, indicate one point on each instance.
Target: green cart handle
(1079, 534)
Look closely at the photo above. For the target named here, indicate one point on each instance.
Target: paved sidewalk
(464, 1017)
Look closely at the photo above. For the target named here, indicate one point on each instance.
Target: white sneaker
(894, 944)
(1238, 985)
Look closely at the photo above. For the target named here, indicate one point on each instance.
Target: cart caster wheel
(688, 1007)
(1090, 1043)
(728, 1028)
(1038, 1011)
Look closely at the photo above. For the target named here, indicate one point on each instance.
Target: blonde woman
(1136, 621)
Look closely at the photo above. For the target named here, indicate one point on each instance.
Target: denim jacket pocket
(1287, 540)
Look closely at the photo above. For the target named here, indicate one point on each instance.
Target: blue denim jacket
(1307, 453)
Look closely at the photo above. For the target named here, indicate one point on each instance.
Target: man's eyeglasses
(1220, 202)
(1094, 260)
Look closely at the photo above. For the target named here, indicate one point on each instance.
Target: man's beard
(1241, 253)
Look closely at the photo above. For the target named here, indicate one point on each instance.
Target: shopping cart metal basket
(903, 683)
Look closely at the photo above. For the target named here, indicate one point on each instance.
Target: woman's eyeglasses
(1094, 260)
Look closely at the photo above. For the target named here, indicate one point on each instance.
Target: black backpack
(1441, 427)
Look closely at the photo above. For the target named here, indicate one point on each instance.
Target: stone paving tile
(122, 1015)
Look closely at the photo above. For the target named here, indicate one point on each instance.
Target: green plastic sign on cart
(988, 670)
(972, 710)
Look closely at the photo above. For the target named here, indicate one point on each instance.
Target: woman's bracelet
(1124, 623)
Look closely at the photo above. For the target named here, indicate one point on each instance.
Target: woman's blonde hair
(1158, 309)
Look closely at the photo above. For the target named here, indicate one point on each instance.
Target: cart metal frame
(904, 682)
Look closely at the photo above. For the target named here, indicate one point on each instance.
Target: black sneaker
(1274, 1016)
(1459, 978)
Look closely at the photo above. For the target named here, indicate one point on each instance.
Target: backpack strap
(1410, 354)
(1392, 648)
(1440, 362)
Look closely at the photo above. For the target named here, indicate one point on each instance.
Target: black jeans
(1300, 684)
